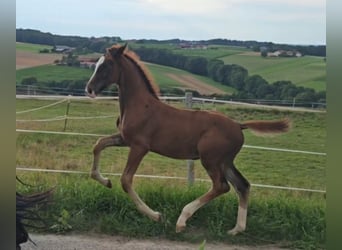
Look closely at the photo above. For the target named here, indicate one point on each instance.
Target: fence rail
(190, 178)
(178, 98)
(165, 177)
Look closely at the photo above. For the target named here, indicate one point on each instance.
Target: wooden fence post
(66, 114)
(190, 163)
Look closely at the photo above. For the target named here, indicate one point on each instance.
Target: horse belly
(175, 146)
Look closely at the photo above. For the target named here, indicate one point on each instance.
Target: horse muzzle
(90, 92)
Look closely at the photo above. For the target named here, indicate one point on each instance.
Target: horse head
(107, 71)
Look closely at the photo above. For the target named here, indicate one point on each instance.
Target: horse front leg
(102, 143)
(135, 156)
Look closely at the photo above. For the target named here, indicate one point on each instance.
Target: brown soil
(27, 59)
(190, 82)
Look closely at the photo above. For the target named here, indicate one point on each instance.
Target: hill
(31, 63)
(231, 72)
(307, 71)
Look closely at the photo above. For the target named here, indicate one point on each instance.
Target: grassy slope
(160, 74)
(31, 47)
(307, 71)
(53, 73)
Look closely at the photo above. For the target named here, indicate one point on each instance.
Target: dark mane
(151, 86)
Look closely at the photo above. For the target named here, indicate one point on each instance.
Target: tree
(264, 53)
(213, 66)
(197, 65)
(29, 81)
(238, 76)
(256, 86)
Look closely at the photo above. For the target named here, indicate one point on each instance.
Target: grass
(276, 218)
(307, 71)
(35, 48)
(212, 52)
(267, 167)
(287, 218)
(48, 73)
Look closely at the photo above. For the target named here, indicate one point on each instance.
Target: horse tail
(26, 214)
(267, 127)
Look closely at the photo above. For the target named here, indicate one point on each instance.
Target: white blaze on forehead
(98, 64)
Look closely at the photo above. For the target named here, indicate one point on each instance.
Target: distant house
(285, 53)
(88, 63)
(192, 45)
(62, 49)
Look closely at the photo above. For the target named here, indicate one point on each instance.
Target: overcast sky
(278, 21)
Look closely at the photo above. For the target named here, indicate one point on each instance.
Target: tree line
(233, 75)
(236, 76)
(100, 44)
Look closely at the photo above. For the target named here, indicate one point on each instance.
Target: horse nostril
(90, 92)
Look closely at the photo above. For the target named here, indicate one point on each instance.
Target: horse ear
(115, 51)
(121, 49)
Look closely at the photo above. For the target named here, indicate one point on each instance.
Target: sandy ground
(105, 242)
(27, 59)
(192, 83)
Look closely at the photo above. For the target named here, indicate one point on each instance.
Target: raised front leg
(102, 143)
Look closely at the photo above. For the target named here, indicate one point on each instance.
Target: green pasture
(35, 48)
(307, 71)
(212, 52)
(48, 73)
(286, 218)
(266, 167)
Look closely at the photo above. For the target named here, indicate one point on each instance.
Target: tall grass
(277, 218)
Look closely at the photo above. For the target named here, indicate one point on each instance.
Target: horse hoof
(158, 217)
(180, 228)
(235, 231)
(109, 184)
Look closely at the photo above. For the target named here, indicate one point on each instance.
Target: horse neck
(132, 87)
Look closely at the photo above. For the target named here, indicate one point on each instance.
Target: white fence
(190, 165)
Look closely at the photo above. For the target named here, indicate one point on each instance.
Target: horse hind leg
(102, 143)
(241, 186)
(219, 186)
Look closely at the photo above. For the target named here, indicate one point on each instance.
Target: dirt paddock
(105, 242)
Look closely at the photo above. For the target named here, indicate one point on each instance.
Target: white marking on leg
(240, 222)
(143, 208)
(187, 212)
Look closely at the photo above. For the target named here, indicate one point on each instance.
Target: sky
(300, 22)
